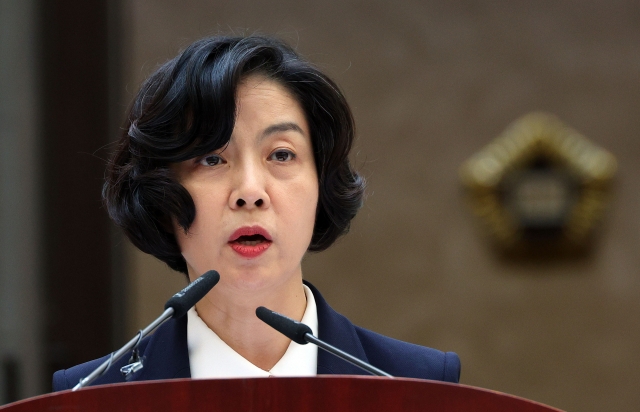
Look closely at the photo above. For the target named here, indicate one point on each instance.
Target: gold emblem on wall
(540, 185)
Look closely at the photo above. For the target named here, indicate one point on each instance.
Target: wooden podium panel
(317, 394)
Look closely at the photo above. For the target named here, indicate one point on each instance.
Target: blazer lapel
(338, 331)
(166, 356)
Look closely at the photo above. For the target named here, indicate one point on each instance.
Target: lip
(250, 231)
(250, 251)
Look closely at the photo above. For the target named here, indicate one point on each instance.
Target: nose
(249, 191)
(241, 202)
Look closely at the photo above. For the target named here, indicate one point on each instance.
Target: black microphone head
(290, 328)
(184, 300)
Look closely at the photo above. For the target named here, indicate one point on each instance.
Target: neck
(230, 313)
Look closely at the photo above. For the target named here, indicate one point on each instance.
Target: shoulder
(68, 378)
(407, 359)
(400, 359)
(165, 356)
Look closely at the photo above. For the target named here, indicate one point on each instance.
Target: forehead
(260, 87)
(265, 102)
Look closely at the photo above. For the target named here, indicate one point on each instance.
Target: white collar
(211, 357)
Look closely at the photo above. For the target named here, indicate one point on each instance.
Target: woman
(235, 158)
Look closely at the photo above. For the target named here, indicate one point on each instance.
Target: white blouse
(210, 357)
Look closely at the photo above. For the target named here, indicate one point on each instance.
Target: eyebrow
(281, 127)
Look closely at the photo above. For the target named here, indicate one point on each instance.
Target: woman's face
(256, 198)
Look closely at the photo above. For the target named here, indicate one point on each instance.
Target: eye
(282, 155)
(211, 160)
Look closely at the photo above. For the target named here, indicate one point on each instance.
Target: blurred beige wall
(430, 84)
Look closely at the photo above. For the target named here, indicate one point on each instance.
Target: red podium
(327, 393)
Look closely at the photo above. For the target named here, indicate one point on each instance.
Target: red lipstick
(250, 241)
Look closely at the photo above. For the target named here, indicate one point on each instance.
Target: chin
(258, 278)
(248, 278)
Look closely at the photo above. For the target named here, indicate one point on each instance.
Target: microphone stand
(345, 356)
(177, 307)
(101, 370)
(302, 334)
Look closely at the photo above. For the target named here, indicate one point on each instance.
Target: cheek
(207, 222)
(300, 203)
(310, 200)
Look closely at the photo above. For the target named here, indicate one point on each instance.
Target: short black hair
(187, 108)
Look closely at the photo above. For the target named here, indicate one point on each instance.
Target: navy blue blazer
(166, 355)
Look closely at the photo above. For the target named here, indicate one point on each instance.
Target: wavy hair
(187, 108)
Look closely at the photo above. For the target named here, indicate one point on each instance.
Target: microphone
(184, 300)
(177, 306)
(302, 334)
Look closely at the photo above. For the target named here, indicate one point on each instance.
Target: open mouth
(251, 240)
